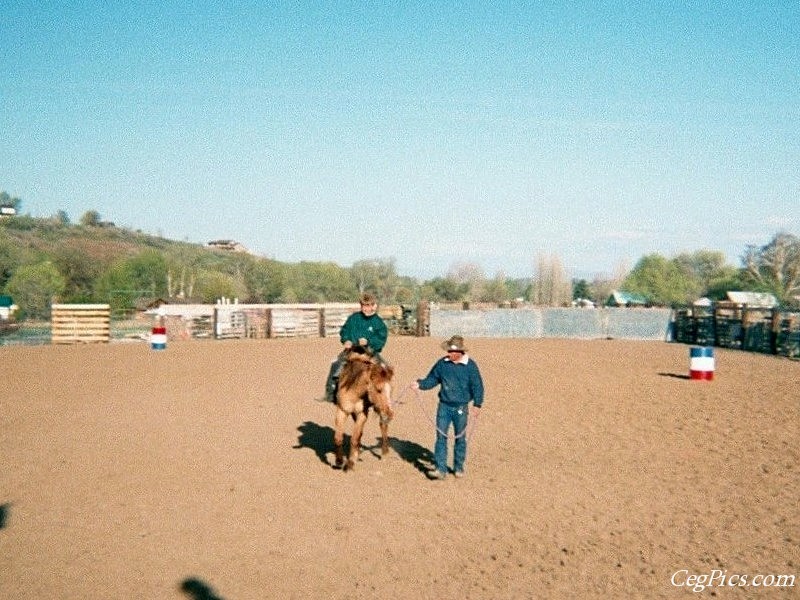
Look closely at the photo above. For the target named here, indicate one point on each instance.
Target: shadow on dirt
(675, 375)
(317, 438)
(419, 457)
(197, 589)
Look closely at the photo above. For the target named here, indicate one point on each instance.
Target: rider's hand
(348, 344)
(363, 342)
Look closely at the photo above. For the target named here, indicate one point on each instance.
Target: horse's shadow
(319, 438)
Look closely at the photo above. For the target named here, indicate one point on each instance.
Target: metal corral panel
(639, 324)
(577, 323)
(572, 323)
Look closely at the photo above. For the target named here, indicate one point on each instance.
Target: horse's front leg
(338, 436)
(384, 436)
(355, 440)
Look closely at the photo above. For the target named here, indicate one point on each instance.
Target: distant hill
(42, 259)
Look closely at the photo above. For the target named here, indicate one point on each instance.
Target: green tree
(662, 281)
(320, 282)
(581, 290)
(709, 270)
(444, 289)
(142, 275)
(35, 287)
(264, 280)
(213, 285)
(91, 218)
(12, 201)
(376, 275)
(495, 290)
(10, 258)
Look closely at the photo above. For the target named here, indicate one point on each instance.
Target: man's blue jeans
(447, 415)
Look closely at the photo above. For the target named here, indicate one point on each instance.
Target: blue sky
(431, 133)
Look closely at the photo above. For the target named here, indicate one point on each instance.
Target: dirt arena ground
(597, 469)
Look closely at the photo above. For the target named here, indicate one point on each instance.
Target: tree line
(46, 260)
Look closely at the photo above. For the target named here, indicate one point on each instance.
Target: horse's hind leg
(355, 441)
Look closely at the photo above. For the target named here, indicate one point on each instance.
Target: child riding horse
(364, 383)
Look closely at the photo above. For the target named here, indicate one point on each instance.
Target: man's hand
(363, 342)
(348, 344)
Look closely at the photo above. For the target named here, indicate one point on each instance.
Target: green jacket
(373, 329)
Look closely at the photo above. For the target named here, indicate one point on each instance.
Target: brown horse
(363, 383)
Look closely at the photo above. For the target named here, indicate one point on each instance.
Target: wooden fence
(266, 321)
(730, 325)
(80, 323)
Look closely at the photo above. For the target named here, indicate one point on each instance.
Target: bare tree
(550, 286)
(470, 276)
(776, 266)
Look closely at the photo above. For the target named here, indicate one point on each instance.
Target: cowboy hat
(454, 344)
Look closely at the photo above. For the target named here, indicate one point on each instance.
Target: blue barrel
(701, 363)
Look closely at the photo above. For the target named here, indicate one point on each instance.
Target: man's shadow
(417, 456)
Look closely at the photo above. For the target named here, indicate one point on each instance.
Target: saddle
(360, 353)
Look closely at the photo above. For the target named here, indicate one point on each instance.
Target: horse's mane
(354, 369)
(381, 373)
(357, 364)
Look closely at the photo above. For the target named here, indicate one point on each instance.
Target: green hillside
(47, 260)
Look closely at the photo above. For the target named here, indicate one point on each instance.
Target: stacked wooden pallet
(80, 323)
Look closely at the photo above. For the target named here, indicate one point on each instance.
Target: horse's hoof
(349, 466)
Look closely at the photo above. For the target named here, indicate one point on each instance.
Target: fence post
(423, 319)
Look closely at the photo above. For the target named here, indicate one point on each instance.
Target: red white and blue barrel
(701, 363)
(158, 338)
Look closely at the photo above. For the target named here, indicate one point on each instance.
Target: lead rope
(469, 430)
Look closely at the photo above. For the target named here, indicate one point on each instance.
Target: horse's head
(380, 389)
(380, 374)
